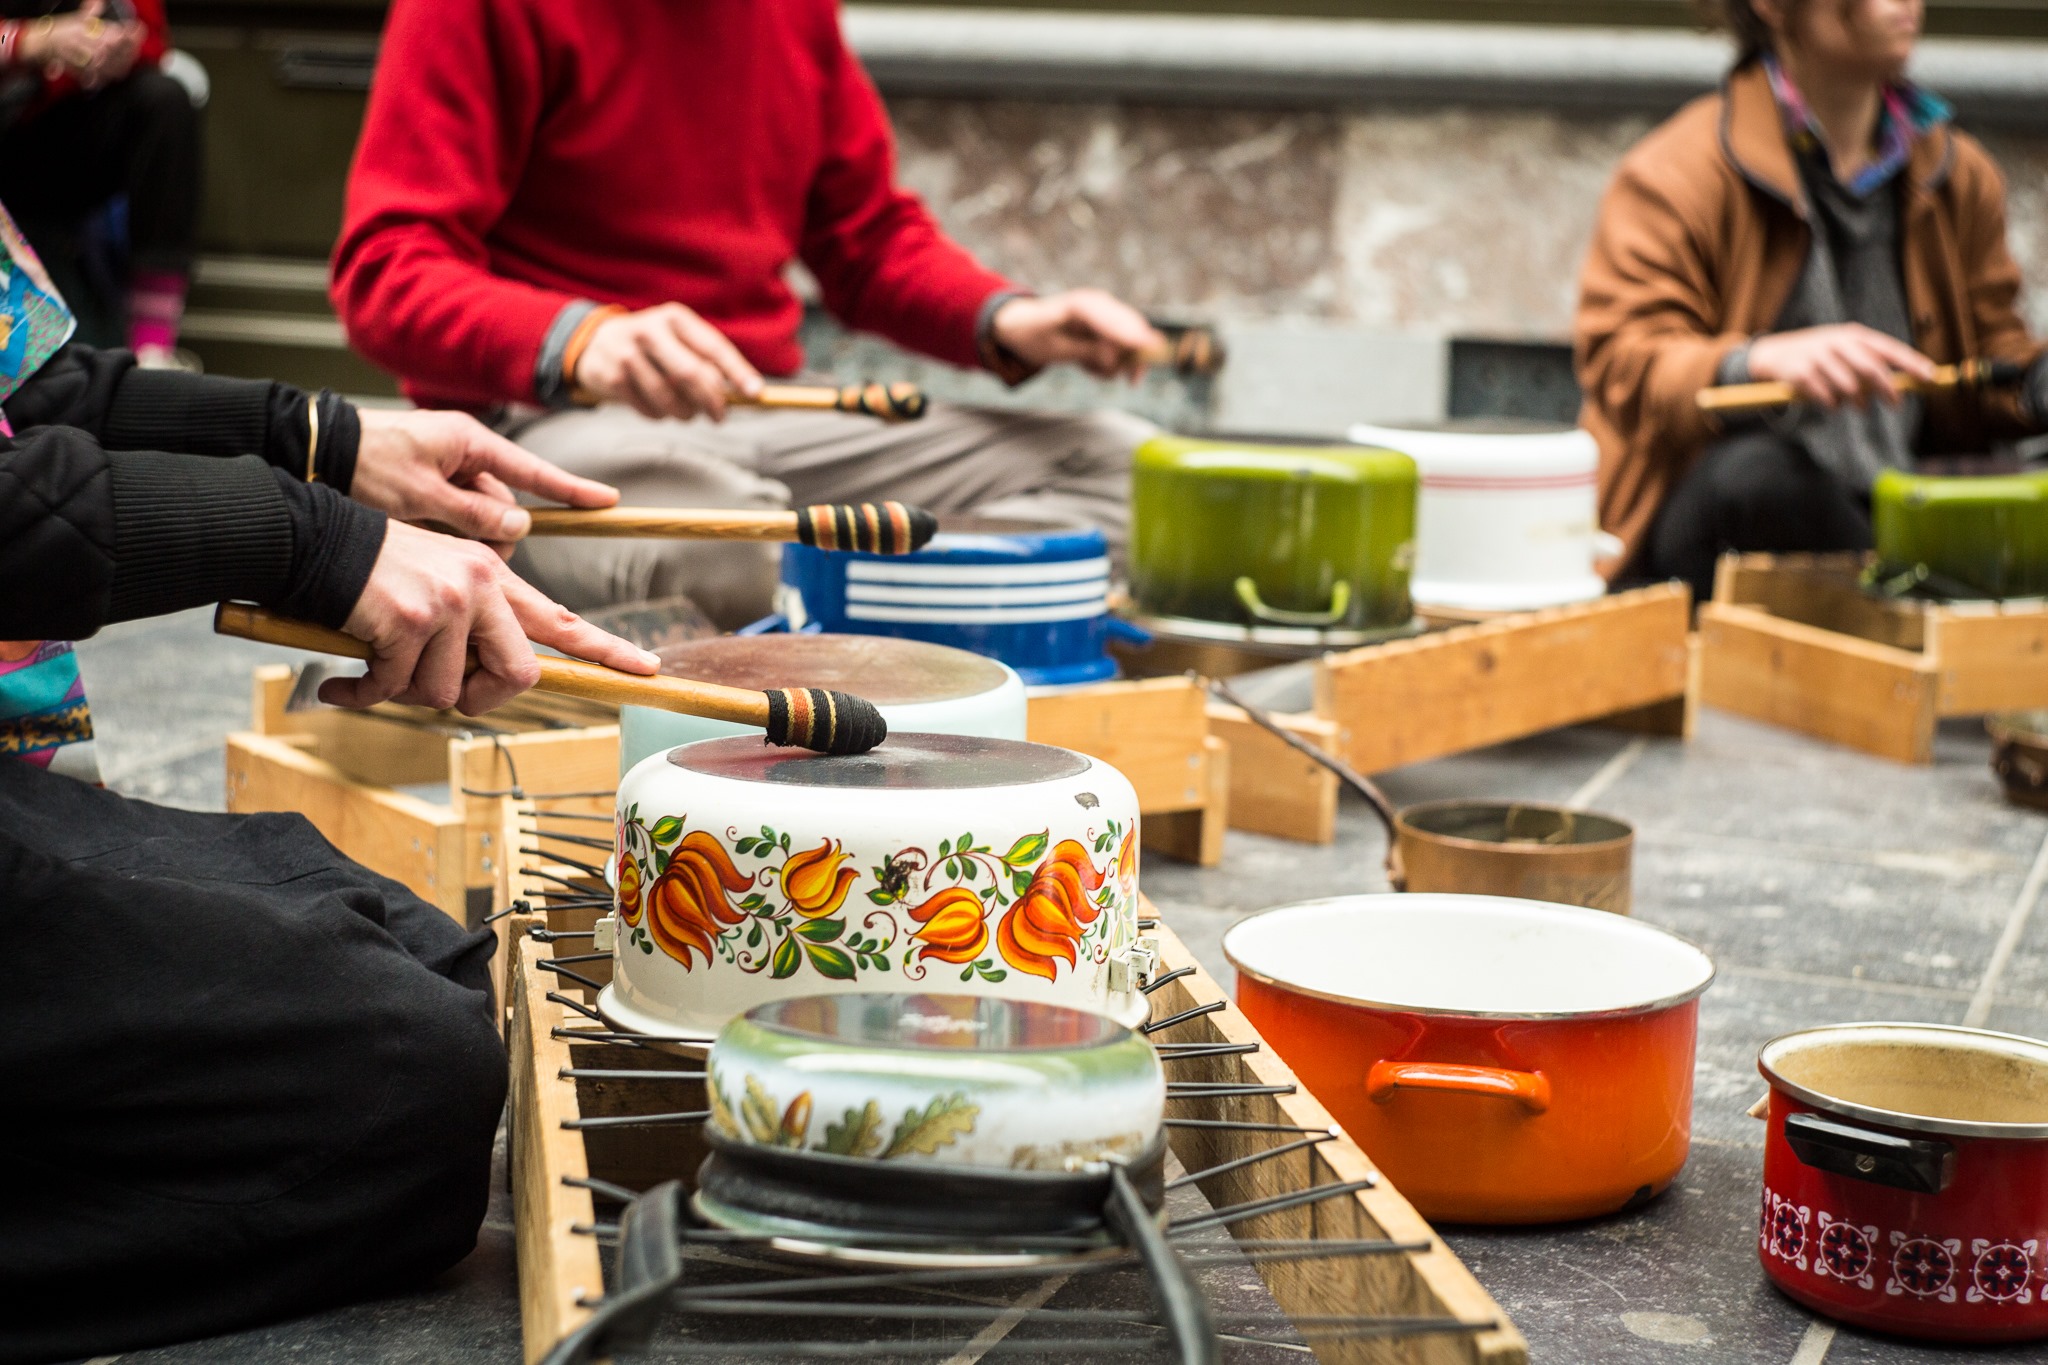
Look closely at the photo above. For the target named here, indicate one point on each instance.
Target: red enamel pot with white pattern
(1906, 1178)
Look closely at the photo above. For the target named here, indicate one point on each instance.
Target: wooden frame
(1626, 659)
(559, 1268)
(1794, 640)
(1155, 731)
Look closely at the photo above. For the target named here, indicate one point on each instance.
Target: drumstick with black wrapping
(889, 402)
(795, 717)
(885, 528)
(1971, 374)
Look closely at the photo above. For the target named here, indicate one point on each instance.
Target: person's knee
(160, 101)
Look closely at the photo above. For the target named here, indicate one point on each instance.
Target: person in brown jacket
(1816, 221)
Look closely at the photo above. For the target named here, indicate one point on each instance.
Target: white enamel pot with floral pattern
(992, 867)
(939, 1079)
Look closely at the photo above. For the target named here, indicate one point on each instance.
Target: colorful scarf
(43, 715)
(1908, 112)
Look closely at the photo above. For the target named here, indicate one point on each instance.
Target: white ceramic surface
(931, 689)
(935, 862)
(1504, 522)
(1484, 955)
(956, 1080)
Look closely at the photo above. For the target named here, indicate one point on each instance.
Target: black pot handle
(1923, 1165)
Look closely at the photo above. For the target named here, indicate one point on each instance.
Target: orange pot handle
(1531, 1088)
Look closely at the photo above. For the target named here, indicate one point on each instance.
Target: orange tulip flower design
(951, 927)
(1127, 864)
(814, 881)
(630, 886)
(688, 907)
(1049, 918)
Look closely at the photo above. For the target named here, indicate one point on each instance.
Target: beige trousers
(997, 462)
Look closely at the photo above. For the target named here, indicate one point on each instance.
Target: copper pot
(1489, 848)
(1530, 852)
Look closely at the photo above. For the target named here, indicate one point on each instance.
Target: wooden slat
(557, 1267)
(1196, 836)
(413, 841)
(1465, 688)
(1819, 590)
(1872, 697)
(1274, 789)
(1426, 1283)
(1153, 731)
(1988, 660)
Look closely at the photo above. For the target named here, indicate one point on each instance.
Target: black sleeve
(125, 408)
(90, 536)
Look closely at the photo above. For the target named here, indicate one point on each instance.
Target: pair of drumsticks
(802, 717)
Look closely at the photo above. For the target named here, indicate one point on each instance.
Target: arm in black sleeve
(125, 408)
(90, 536)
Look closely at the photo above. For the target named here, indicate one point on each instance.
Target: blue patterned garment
(1908, 112)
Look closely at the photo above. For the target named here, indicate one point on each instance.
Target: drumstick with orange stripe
(888, 402)
(885, 528)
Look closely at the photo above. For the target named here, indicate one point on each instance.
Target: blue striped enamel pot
(1033, 595)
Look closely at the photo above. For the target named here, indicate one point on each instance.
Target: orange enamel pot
(1503, 1061)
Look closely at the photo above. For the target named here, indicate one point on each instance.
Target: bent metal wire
(687, 1290)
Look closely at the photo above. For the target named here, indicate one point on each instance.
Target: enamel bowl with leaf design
(950, 1080)
(988, 867)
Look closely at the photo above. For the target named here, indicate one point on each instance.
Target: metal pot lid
(903, 762)
(939, 1023)
(885, 670)
(1927, 1078)
(1469, 957)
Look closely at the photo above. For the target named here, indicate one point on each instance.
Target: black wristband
(341, 438)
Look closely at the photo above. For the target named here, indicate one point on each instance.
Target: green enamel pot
(1276, 536)
(1987, 535)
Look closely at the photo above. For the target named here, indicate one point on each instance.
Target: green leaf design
(882, 963)
(964, 842)
(754, 936)
(1028, 850)
(880, 897)
(647, 946)
(858, 1134)
(942, 1122)
(945, 847)
(788, 957)
(785, 841)
(667, 829)
(762, 1114)
(821, 930)
(767, 835)
(835, 963)
(745, 845)
(966, 973)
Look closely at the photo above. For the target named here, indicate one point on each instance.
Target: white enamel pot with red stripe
(1505, 520)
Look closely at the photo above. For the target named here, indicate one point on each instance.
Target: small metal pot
(1486, 848)
(1530, 852)
(2019, 756)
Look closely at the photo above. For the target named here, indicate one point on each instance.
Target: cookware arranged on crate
(916, 686)
(1032, 594)
(1304, 546)
(1506, 518)
(1504, 1061)
(1961, 536)
(982, 866)
(1906, 1178)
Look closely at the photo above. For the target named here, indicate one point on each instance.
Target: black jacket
(97, 525)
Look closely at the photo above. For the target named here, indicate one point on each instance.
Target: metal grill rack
(1280, 1241)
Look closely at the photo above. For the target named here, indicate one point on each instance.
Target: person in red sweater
(580, 218)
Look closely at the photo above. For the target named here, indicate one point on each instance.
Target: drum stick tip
(824, 722)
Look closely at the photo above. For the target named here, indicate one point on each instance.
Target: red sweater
(520, 155)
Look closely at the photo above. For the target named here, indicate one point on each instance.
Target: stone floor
(1827, 886)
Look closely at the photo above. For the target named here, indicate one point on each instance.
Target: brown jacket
(1700, 239)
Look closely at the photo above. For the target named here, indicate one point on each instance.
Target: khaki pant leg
(655, 464)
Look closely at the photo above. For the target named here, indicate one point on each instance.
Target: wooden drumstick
(889, 402)
(884, 528)
(802, 717)
(1971, 374)
(1186, 350)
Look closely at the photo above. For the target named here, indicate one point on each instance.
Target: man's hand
(1841, 363)
(663, 362)
(449, 468)
(1086, 327)
(431, 600)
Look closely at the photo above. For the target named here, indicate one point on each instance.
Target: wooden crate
(346, 771)
(1626, 659)
(1155, 731)
(1794, 640)
(560, 1269)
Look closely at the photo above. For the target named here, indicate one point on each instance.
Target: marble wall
(1433, 222)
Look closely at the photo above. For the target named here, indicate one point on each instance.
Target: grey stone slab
(1750, 905)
